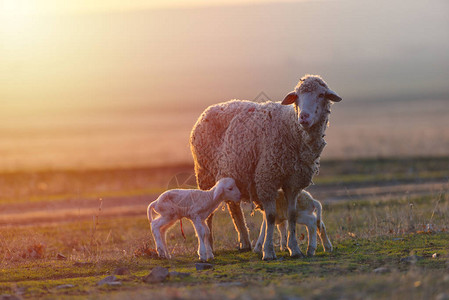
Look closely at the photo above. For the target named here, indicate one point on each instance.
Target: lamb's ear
(218, 191)
(290, 98)
(332, 96)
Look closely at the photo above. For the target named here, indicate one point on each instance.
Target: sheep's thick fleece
(260, 145)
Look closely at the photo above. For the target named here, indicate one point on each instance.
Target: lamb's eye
(321, 95)
(231, 188)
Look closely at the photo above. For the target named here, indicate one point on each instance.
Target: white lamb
(308, 213)
(264, 147)
(195, 205)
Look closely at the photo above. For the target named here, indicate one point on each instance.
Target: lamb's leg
(240, 225)
(209, 253)
(201, 234)
(269, 219)
(310, 222)
(327, 245)
(163, 230)
(260, 240)
(211, 235)
(156, 226)
(282, 228)
(292, 243)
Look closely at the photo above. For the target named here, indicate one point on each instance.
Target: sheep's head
(226, 189)
(311, 99)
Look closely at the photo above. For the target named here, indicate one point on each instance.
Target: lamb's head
(227, 190)
(311, 98)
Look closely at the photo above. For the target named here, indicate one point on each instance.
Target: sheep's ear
(290, 98)
(332, 96)
(218, 191)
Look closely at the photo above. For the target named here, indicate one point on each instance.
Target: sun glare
(15, 15)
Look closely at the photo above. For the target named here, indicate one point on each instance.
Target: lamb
(309, 213)
(264, 147)
(196, 205)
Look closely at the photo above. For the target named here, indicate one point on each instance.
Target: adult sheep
(264, 147)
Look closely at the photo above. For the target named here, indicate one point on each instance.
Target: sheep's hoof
(257, 250)
(296, 254)
(269, 256)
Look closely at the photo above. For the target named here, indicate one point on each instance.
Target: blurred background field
(94, 85)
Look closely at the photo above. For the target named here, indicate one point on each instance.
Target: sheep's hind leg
(240, 225)
(261, 239)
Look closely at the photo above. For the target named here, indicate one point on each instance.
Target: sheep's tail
(319, 209)
(182, 231)
(150, 211)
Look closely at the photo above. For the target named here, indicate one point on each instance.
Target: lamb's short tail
(150, 211)
(319, 209)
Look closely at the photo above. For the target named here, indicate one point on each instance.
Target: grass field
(57, 239)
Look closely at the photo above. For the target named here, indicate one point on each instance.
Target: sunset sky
(76, 66)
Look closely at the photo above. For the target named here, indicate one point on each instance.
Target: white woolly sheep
(196, 205)
(264, 147)
(309, 213)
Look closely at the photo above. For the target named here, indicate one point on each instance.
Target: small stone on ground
(107, 280)
(203, 266)
(158, 274)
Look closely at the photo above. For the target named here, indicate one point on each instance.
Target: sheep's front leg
(282, 228)
(292, 243)
(269, 219)
(240, 225)
(201, 234)
(261, 239)
(327, 245)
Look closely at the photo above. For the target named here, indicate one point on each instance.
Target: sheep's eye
(230, 188)
(321, 95)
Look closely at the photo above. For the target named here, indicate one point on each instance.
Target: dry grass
(82, 248)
